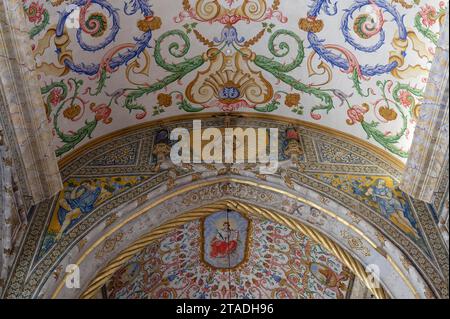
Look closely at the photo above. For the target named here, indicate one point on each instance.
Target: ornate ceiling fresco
(358, 66)
(227, 255)
(340, 193)
(342, 81)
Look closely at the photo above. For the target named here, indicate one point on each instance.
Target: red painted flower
(35, 12)
(55, 96)
(72, 112)
(102, 112)
(230, 19)
(292, 100)
(356, 113)
(405, 98)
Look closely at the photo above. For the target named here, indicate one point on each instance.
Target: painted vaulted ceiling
(358, 66)
(263, 259)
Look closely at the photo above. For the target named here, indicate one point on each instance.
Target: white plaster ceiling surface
(358, 66)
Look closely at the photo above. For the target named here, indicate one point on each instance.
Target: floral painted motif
(429, 15)
(55, 96)
(405, 98)
(328, 164)
(273, 56)
(35, 12)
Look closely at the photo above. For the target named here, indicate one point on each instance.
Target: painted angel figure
(391, 207)
(80, 201)
(224, 242)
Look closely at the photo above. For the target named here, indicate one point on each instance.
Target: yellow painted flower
(72, 112)
(311, 24)
(164, 100)
(292, 100)
(387, 113)
(149, 23)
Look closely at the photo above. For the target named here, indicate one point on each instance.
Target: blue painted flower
(229, 93)
(171, 277)
(276, 277)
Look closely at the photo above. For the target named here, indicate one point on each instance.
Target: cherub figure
(78, 202)
(391, 207)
